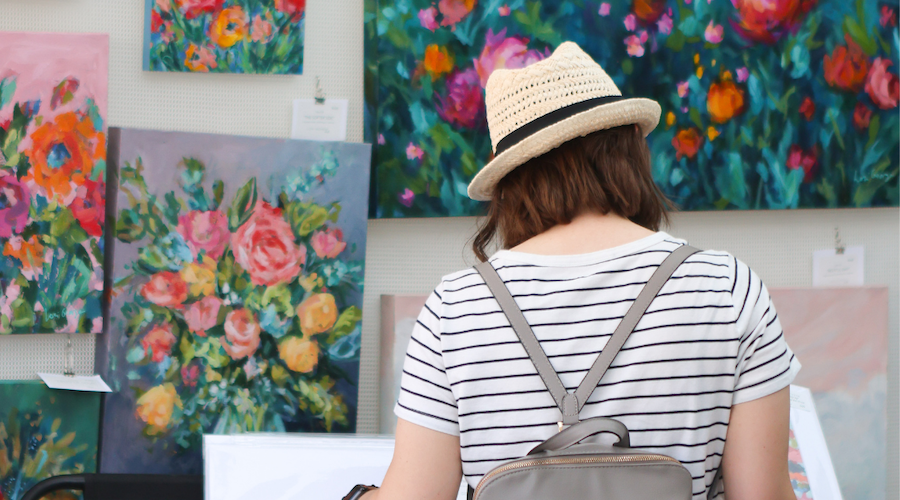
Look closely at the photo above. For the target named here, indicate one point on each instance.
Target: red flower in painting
(807, 160)
(196, 8)
(767, 21)
(808, 109)
(158, 341)
(291, 7)
(156, 21)
(264, 246)
(464, 103)
(89, 206)
(165, 289)
(846, 67)
(687, 143)
(648, 11)
(862, 114)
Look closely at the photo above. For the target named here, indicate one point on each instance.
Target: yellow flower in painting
(712, 133)
(200, 277)
(699, 71)
(299, 354)
(311, 281)
(670, 119)
(437, 61)
(155, 407)
(229, 28)
(317, 314)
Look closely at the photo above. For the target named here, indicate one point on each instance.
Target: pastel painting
(840, 335)
(237, 288)
(766, 104)
(44, 433)
(53, 92)
(224, 36)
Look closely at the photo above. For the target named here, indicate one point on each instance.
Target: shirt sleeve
(765, 363)
(425, 395)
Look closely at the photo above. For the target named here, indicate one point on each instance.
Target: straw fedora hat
(533, 110)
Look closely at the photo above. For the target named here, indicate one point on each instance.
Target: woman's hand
(426, 466)
(754, 464)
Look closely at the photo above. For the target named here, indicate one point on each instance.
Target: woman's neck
(588, 232)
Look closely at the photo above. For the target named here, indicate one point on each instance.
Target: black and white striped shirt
(711, 339)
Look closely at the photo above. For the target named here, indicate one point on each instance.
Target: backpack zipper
(572, 460)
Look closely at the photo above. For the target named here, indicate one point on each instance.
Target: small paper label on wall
(833, 269)
(320, 122)
(93, 383)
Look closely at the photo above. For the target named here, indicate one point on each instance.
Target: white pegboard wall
(23, 356)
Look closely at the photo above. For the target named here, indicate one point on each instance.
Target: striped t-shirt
(711, 339)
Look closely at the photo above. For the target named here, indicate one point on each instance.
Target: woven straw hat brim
(643, 112)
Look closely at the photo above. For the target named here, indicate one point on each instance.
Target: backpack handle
(582, 430)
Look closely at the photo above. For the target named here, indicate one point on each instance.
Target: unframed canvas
(53, 95)
(840, 337)
(237, 293)
(398, 317)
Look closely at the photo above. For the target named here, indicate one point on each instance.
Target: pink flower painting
(501, 51)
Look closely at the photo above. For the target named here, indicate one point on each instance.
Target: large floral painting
(44, 433)
(53, 90)
(237, 288)
(224, 36)
(767, 104)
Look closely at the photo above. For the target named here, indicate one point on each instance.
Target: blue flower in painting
(169, 253)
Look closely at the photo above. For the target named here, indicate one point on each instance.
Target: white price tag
(833, 269)
(320, 122)
(93, 383)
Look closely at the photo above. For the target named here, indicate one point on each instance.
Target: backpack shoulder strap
(570, 404)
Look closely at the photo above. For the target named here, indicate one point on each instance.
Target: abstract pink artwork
(840, 336)
(398, 316)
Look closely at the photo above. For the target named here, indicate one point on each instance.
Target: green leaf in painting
(7, 90)
(345, 323)
(242, 205)
(305, 218)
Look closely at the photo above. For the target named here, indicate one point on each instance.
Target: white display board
(406, 256)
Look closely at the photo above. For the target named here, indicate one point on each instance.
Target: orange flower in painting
(846, 68)
(648, 11)
(437, 61)
(687, 143)
(229, 28)
(29, 252)
(725, 100)
(63, 153)
(199, 59)
(299, 354)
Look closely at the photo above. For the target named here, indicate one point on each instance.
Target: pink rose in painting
(427, 18)
(503, 10)
(260, 29)
(14, 204)
(887, 18)
(714, 33)
(882, 85)
(164, 5)
(407, 197)
(264, 246)
(207, 231)
(414, 152)
(196, 8)
(501, 52)
(683, 88)
(203, 315)
(158, 341)
(604, 9)
(664, 24)
(165, 289)
(455, 11)
(743, 74)
(630, 22)
(635, 44)
(464, 103)
(241, 334)
(329, 243)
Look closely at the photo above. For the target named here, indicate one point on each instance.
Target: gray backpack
(564, 468)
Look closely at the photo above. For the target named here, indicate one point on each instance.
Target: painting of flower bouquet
(238, 290)
(766, 104)
(53, 90)
(45, 433)
(224, 36)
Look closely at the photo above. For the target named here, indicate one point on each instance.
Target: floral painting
(766, 104)
(224, 36)
(796, 469)
(44, 433)
(53, 91)
(237, 290)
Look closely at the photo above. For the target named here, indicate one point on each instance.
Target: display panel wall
(406, 256)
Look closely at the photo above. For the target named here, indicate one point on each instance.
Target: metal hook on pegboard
(839, 246)
(320, 94)
(70, 357)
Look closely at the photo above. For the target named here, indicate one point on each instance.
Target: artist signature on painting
(880, 176)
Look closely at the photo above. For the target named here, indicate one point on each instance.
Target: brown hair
(604, 172)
